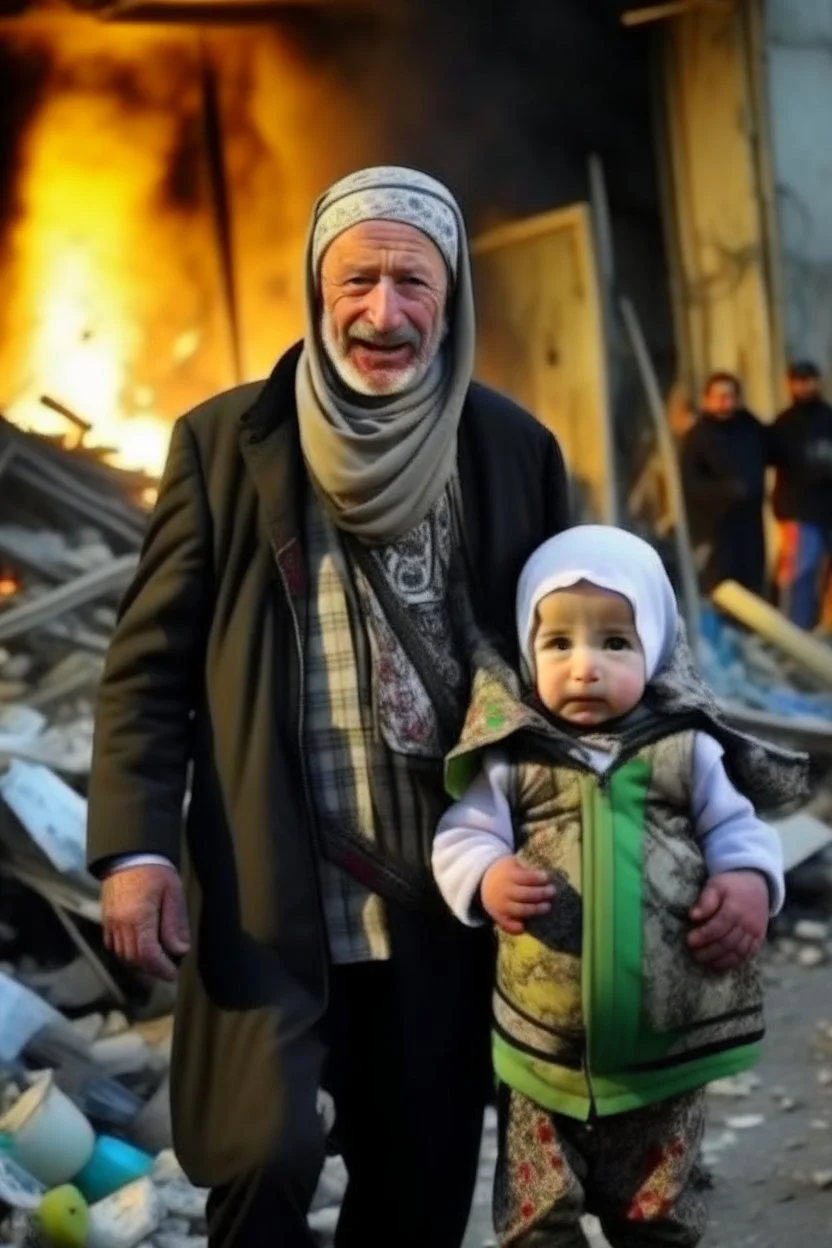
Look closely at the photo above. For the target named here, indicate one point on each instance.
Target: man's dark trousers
(408, 1068)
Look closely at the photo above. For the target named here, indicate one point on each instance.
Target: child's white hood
(612, 559)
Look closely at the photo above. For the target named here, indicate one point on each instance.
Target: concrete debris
(811, 930)
(744, 1122)
(735, 1087)
(812, 956)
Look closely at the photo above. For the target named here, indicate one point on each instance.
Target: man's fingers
(173, 924)
(511, 926)
(150, 957)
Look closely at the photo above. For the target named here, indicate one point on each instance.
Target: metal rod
(667, 449)
(605, 252)
(212, 127)
(674, 8)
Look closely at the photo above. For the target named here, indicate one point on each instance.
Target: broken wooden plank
(769, 623)
(76, 593)
(798, 732)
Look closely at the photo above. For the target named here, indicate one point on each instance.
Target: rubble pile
(86, 1156)
(744, 671)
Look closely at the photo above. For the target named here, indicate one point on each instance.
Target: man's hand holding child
(510, 893)
(730, 920)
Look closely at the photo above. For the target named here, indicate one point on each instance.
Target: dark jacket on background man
(723, 473)
(205, 666)
(801, 450)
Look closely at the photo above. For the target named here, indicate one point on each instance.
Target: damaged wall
(798, 47)
(723, 306)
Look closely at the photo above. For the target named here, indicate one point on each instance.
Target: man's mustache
(404, 336)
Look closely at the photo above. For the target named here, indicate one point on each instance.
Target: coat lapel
(270, 446)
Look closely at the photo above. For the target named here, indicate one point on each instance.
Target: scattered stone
(115, 1024)
(89, 1027)
(825, 1077)
(744, 1122)
(72, 987)
(822, 1179)
(819, 1124)
(812, 956)
(184, 1201)
(175, 1226)
(323, 1222)
(163, 1240)
(787, 1104)
(787, 947)
(125, 1053)
(792, 1146)
(811, 930)
(735, 1087)
(332, 1184)
(166, 1168)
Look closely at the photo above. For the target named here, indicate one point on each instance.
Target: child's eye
(617, 643)
(559, 643)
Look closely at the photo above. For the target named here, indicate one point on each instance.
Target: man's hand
(731, 918)
(145, 919)
(510, 892)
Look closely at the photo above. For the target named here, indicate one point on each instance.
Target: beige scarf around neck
(380, 464)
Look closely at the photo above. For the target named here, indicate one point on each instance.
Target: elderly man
(297, 636)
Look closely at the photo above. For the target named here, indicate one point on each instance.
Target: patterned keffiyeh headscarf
(381, 463)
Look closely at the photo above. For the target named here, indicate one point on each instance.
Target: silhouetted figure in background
(723, 471)
(801, 450)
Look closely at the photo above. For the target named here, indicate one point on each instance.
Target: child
(631, 884)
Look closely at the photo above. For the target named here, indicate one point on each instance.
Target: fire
(109, 320)
(8, 586)
(82, 344)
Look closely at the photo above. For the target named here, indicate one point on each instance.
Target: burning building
(159, 160)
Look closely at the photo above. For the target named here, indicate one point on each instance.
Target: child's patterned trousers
(637, 1172)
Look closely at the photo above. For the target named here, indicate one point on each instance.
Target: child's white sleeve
(734, 838)
(472, 835)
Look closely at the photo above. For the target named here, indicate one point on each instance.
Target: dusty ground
(772, 1180)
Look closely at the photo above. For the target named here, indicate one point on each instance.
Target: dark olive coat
(204, 670)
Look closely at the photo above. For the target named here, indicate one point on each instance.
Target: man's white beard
(399, 381)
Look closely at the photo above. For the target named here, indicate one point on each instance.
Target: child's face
(589, 664)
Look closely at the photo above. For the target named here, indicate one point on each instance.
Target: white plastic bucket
(50, 1137)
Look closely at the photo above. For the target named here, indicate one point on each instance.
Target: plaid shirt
(337, 762)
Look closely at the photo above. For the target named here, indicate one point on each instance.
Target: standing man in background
(801, 451)
(723, 474)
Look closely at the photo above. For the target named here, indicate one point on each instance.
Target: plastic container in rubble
(50, 1137)
(114, 1163)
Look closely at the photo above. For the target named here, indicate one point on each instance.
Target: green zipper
(612, 831)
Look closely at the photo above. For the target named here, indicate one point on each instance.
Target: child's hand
(731, 918)
(510, 892)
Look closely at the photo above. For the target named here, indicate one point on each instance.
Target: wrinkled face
(589, 663)
(384, 289)
(804, 389)
(721, 399)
